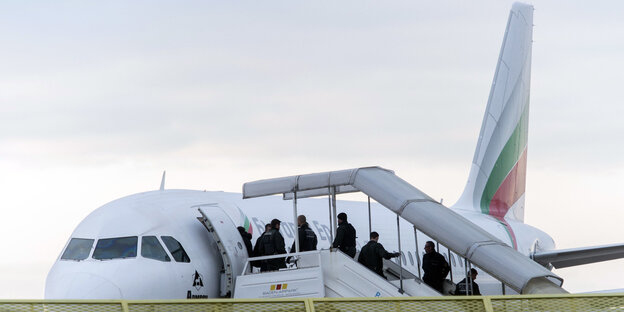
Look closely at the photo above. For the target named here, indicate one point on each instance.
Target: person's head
(374, 236)
(267, 227)
(301, 220)
(473, 274)
(429, 247)
(241, 230)
(342, 217)
(275, 224)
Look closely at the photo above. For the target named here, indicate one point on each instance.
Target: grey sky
(98, 98)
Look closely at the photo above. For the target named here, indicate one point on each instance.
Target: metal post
(503, 284)
(466, 271)
(471, 290)
(450, 263)
(417, 251)
(370, 227)
(296, 224)
(400, 254)
(331, 219)
(334, 225)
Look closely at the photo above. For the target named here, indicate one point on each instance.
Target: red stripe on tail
(511, 189)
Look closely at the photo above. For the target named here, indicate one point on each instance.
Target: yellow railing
(587, 302)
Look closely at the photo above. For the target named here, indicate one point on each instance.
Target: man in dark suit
(435, 266)
(372, 253)
(345, 236)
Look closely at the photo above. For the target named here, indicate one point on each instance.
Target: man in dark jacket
(256, 252)
(307, 237)
(435, 266)
(267, 228)
(372, 253)
(345, 236)
(272, 243)
(246, 239)
(256, 249)
(470, 287)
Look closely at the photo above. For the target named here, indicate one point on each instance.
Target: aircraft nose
(82, 286)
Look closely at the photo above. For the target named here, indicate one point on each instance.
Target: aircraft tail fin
(496, 184)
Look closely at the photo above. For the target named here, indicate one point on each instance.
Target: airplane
(151, 245)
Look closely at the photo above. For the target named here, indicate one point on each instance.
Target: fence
(586, 302)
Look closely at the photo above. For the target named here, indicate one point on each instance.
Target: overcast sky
(97, 98)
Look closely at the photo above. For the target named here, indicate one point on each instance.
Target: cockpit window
(116, 248)
(152, 249)
(78, 249)
(175, 248)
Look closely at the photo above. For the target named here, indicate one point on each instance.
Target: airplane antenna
(162, 182)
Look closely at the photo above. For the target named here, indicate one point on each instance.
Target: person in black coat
(257, 246)
(256, 252)
(272, 243)
(345, 236)
(246, 239)
(463, 288)
(435, 267)
(372, 253)
(307, 237)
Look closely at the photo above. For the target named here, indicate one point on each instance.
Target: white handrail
(286, 255)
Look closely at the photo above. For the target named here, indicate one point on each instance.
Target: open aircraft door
(230, 244)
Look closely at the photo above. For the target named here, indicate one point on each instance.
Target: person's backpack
(460, 289)
(268, 244)
(464, 288)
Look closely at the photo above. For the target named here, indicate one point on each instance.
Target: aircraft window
(78, 249)
(403, 259)
(152, 249)
(453, 260)
(410, 257)
(116, 248)
(176, 249)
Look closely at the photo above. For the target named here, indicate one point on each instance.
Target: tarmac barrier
(566, 302)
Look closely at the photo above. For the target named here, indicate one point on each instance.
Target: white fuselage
(171, 213)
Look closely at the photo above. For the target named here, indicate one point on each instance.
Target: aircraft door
(230, 244)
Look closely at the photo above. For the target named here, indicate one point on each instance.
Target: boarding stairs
(426, 215)
(324, 273)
